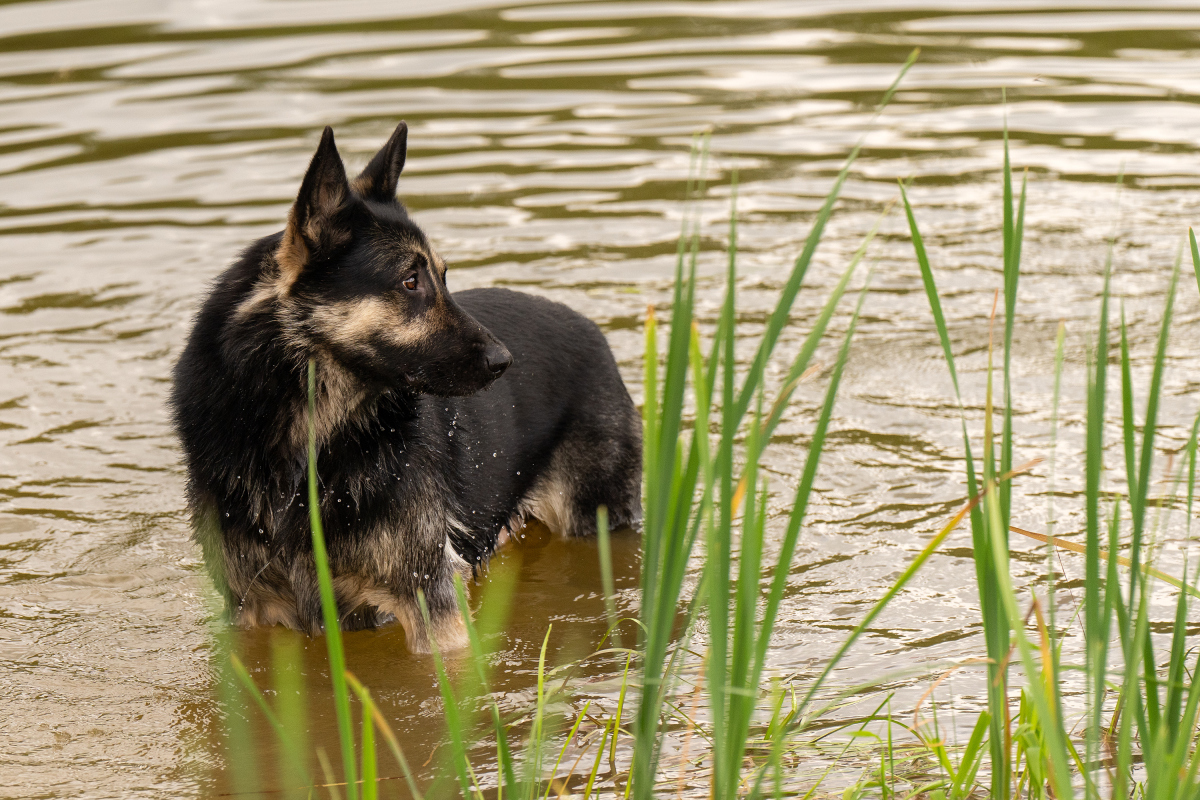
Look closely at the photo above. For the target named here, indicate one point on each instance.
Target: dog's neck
(341, 400)
(338, 397)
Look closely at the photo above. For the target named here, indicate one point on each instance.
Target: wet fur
(425, 458)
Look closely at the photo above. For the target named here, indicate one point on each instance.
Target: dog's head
(360, 283)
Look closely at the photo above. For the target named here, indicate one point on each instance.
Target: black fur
(441, 420)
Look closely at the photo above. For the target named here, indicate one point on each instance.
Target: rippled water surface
(142, 144)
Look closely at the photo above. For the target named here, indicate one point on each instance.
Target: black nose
(498, 359)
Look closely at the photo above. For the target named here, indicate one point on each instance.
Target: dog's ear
(378, 180)
(317, 222)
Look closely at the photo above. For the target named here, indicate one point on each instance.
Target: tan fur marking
(355, 591)
(549, 501)
(353, 324)
(292, 253)
(339, 397)
(449, 630)
(267, 610)
(266, 290)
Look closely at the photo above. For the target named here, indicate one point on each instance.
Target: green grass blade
(287, 668)
(939, 320)
(1187, 722)
(651, 544)
(333, 632)
(566, 743)
(931, 292)
(963, 779)
(671, 406)
(290, 749)
(389, 736)
(1097, 602)
(995, 626)
(608, 729)
(1128, 431)
(1173, 705)
(742, 689)
(1051, 603)
(1195, 255)
(604, 547)
(719, 534)
(537, 737)
(494, 612)
(370, 779)
(673, 523)
(1053, 730)
(1149, 428)
(451, 710)
(670, 530)
(1012, 274)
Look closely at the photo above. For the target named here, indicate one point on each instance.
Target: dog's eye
(410, 283)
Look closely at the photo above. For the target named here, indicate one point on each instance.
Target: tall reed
(1153, 720)
(678, 473)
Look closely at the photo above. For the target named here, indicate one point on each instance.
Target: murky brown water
(143, 143)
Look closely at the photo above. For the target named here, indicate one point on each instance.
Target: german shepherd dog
(441, 420)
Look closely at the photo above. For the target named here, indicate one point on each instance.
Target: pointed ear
(378, 180)
(317, 222)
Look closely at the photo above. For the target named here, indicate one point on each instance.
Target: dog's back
(559, 430)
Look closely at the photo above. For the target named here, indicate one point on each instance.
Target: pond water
(142, 144)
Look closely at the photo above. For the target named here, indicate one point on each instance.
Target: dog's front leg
(433, 578)
(446, 626)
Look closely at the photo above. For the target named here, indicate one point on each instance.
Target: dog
(441, 421)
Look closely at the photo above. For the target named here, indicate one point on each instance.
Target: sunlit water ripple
(142, 144)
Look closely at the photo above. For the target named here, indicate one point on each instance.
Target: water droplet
(227, 513)
(449, 433)
(426, 577)
(415, 575)
(493, 455)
